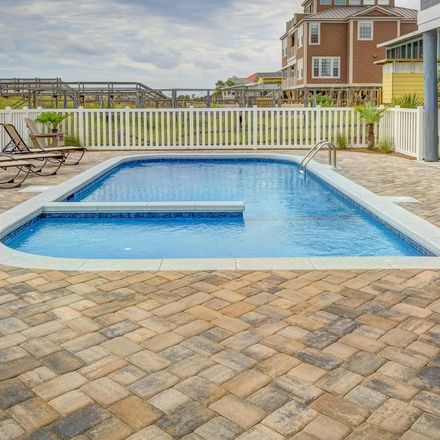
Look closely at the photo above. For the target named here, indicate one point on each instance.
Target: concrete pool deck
(217, 354)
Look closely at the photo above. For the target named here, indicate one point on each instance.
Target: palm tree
(371, 115)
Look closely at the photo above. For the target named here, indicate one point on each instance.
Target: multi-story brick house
(331, 47)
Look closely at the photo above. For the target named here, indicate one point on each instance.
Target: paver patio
(224, 355)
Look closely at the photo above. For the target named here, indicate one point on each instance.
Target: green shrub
(411, 100)
(72, 141)
(324, 100)
(341, 140)
(385, 146)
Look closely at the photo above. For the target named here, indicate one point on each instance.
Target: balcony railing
(288, 83)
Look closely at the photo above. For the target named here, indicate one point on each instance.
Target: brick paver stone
(238, 411)
(33, 414)
(136, 412)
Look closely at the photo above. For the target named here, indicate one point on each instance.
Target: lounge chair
(24, 167)
(39, 141)
(17, 147)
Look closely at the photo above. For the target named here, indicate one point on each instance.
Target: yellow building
(402, 69)
(402, 78)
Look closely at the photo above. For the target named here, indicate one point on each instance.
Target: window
(325, 2)
(300, 36)
(369, 2)
(354, 2)
(340, 2)
(383, 2)
(300, 69)
(284, 48)
(314, 33)
(365, 30)
(326, 67)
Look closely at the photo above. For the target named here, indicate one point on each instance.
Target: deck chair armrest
(9, 156)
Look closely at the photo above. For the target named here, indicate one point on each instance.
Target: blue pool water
(285, 216)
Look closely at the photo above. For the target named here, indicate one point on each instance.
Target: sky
(162, 43)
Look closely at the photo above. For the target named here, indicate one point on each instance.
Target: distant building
(265, 78)
(402, 68)
(331, 47)
(258, 85)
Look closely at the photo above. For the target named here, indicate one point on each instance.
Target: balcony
(288, 83)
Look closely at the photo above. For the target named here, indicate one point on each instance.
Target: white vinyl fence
(224, 128)
(404, 129)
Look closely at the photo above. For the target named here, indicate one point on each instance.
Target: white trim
(320, 67)
(411, 225)
(351, 53)
(359, 23)
(312, 23)
(306, 60)
(300, 36)
(299, 69)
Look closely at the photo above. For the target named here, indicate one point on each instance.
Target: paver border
(384, 208)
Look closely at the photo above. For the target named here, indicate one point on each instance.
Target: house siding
(366, 52)
(332, 45)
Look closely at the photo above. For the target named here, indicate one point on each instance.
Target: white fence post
(255, 127)
(191, 127)
(8, 116)
(420, 135)
(396, 134)
(81, 131)
(127, 127)
(317, 125)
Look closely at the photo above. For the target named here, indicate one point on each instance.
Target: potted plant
(371, 115)
(52, 119)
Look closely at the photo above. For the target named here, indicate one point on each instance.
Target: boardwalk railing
(232, 128)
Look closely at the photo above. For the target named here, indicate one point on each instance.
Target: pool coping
(383, 207)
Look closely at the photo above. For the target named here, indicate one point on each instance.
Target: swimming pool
(285, 216)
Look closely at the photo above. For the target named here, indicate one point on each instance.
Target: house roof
(343, 13)
(267, 74)
(346, 12)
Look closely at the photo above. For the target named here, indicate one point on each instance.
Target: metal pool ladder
(315, 150)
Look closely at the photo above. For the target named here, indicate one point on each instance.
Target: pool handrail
(314, 150)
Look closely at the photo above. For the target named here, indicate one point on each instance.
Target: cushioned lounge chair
(17, 148)
(39, 141)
